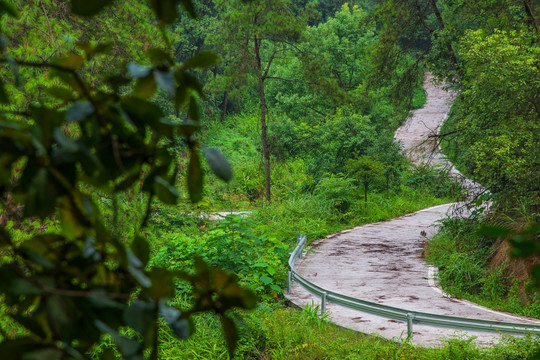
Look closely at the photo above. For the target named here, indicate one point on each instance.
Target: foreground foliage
(69, 286)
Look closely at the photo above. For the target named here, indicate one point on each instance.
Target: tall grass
(288, 334)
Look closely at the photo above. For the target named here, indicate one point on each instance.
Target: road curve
(382, 262)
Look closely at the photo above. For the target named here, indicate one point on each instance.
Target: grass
(462, 257)
(286, 334)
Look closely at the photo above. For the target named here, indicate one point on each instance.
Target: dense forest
(124, 125)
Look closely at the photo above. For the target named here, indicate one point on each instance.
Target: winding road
(382, 262)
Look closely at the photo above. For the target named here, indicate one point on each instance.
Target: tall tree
(254, 33)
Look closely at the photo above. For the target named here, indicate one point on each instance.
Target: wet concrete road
(383, 263)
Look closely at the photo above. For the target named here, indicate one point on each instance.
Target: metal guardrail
(390, 312)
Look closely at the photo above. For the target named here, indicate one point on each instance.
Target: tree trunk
(225, 101)
(262, 102)
(530, 14)
(365, 192)
(451, 53)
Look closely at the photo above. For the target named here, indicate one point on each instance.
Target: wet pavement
(383, 262)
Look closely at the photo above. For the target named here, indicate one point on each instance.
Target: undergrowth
(463, 258)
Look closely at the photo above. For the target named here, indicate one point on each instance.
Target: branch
(530, 13)
(437, 14)
(269, 64)
(86, 94)
(421, 16)
(284, 79)
(317, 111)
(85, 294)
(439, 136)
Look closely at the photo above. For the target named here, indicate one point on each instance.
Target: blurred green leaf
(4, 98)
(18, 348)
(202, 60)
(159, 57)
(163, 286)
(165, 191)
(181, 327)
(136, 269)
(189, 7)
(195, 177)
(61, 317)
(140, 316)
(60, 93)
(72, 61)
(34, 326)
(138, 71)
(5, 239)
(165, 80)
(218, 164)
(493, 231)
(88, 8)
(7, 8)
(79, 111)
(165, 10)
(145, 87)
(141, 249)
(129, 348)
(193, 110)
(231, 333)
(189, 127)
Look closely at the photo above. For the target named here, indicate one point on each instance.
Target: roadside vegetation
(122, 126)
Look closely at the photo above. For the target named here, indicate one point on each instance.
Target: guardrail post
(410, 317)
(299, 239)
(289, 279)
(323, 302)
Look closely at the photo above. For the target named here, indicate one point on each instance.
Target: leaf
(230, 332)
(139, 315)
(136, 269)
(141, 249)
(72, 62)
(181, 327)
(8, 8)
(165, 10)
(165, 80)
(88, 8)
(130, 349)
(163, 286)
(79, 111)
(493, 231)
(189, 7)
(5, 239)
(32, 325)
(218, 164)
(201, 60)
(60, 93)
(103, 48)
(91, 50)
(195, 177)
(181, 97)
(138, 71)
(145, 87)
(41, 196)
(189, 127)
(4, 98)
(61, 318)
(193, 110)
(18, 348)
(165, 191)
(266, 280)
(159, 57)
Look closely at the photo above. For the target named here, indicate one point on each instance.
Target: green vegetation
(108, 107)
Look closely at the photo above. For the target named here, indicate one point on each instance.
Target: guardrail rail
(394, 313)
